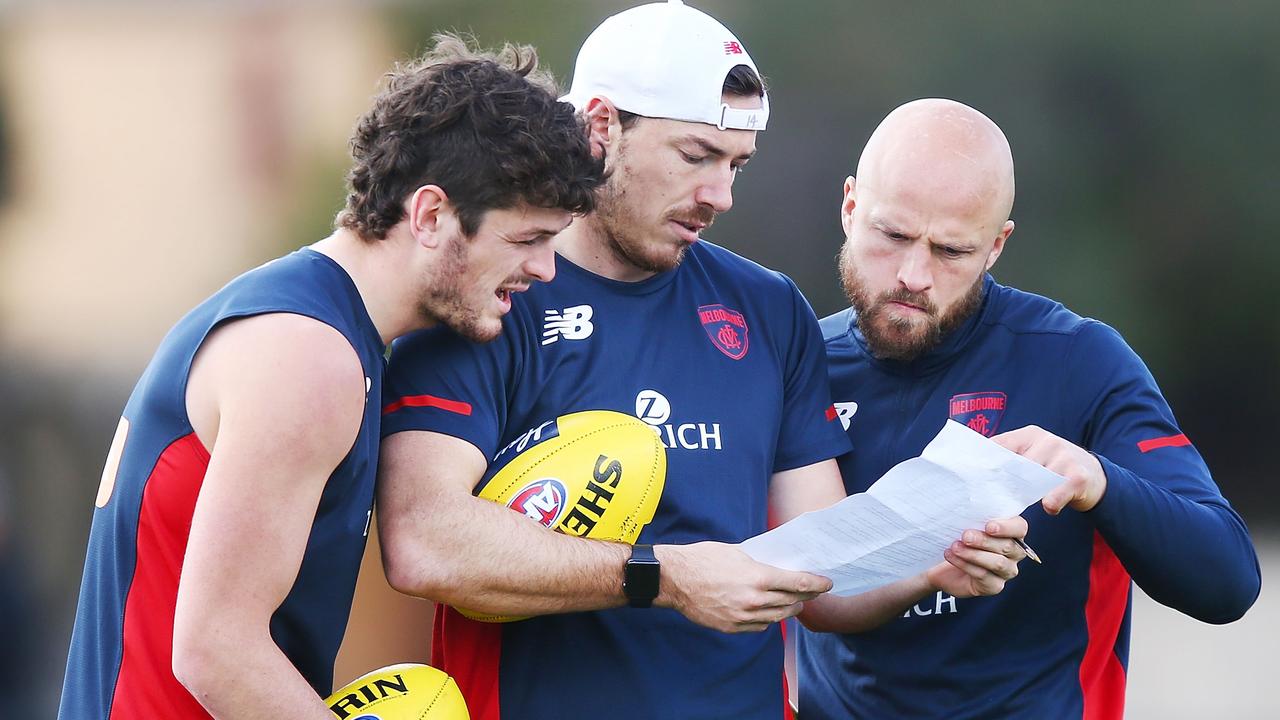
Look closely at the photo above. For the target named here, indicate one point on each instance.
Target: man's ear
(428, 210)
(604, 126)
(847, 204)
(998, 247)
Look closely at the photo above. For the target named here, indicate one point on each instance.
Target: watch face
(640, 579)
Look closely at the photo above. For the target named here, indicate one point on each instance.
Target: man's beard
(624, 230)
(445, 300)
(903, 339)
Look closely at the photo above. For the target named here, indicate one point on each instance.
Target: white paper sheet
(901, 525)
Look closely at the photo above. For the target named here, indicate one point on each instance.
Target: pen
(1027, 549)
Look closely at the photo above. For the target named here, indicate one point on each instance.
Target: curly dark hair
(484, 126)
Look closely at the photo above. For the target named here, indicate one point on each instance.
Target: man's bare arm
(442, 543)
(278, 399)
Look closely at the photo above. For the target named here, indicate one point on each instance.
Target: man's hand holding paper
(980, 563)
(1085, 480)
(912, 517)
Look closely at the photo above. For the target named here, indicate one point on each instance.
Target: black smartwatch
(640, 578)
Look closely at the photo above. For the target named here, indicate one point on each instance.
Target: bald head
(926, 217)
(944, 151)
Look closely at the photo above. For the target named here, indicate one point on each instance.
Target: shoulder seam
(1074, 329)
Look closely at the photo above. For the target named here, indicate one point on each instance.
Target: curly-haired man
(235, 502)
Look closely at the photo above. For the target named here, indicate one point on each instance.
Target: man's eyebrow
(889, 227)
(712, 149)
(535, 233)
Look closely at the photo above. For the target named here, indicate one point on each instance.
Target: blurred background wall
(150, 151)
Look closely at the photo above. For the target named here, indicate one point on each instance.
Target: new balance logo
(572, 323)
(732, 48)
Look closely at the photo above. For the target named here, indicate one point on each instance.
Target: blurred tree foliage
(1145, 148)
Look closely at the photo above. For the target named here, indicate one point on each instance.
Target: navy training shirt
(724, 359)
(121, 658)
(1055, 642)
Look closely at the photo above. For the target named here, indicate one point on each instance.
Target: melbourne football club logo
(726, 328)
(541, 501)
(980, 411)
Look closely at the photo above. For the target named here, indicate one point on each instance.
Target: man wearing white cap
(722, 357)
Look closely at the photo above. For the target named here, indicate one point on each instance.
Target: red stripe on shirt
(1102, 677)
(453, 406)
(787, 714)
(1178, 440)
(469, 651)
(831, 413)
(146, 687)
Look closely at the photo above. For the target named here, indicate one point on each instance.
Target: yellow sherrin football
(408, 691)
(597, 474)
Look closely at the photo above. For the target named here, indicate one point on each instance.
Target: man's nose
(716, 192)
(916, 272)
(542, 266)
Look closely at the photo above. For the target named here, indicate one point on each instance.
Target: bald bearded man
(931, 336)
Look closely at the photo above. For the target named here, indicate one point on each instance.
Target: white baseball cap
(664, 60)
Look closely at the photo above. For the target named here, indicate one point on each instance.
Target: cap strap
(741, 118)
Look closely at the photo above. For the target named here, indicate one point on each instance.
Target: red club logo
(726, 328)
(980, 411)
